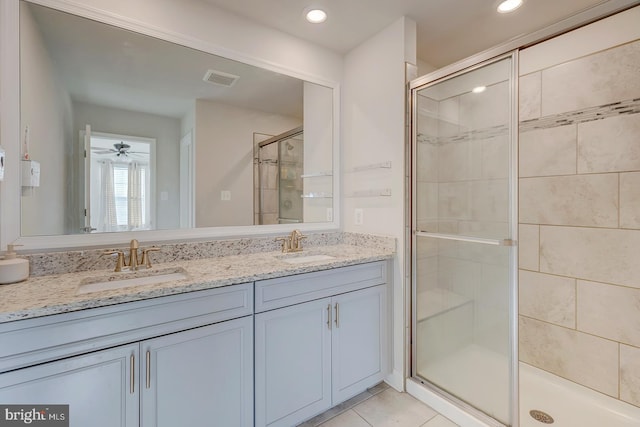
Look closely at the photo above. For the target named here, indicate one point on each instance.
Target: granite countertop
(56, 294)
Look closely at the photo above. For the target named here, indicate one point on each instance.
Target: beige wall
(46, 109)
(224, 160)
(580, 211)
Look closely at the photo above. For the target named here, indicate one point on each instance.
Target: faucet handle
(119, 261)
(286, 243)
(299, 243)
(146, 261)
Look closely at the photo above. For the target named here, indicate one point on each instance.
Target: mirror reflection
(135, 133)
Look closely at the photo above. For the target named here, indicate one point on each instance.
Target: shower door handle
(495, 242)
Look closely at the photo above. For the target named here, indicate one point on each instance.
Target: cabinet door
(293, 363)
(358, 341)
(101, 388)
(200, 377)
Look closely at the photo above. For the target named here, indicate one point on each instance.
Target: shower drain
(543, 417)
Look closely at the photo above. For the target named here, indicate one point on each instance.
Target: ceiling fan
(120, 149)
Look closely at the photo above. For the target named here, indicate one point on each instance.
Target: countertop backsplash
(44, 264)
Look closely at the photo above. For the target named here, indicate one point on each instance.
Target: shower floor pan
(568, 403)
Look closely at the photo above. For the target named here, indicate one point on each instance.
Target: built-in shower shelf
(381, 192)
(423, 112)
(316, 174)
(319, 195)
(437, 301)
(382, 165)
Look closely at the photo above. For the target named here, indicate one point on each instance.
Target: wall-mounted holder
(1, 164)
(378, 192)
(30, 173)
(318, 195)
(316, 174)
(382, 165)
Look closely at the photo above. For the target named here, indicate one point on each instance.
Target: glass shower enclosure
(463, 238)
(278, 179)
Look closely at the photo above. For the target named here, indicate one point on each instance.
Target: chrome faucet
(293, 242)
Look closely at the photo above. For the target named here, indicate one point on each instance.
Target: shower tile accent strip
(468, 135)
(631, 106)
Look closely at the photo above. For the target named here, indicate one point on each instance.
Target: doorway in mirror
(119, 176)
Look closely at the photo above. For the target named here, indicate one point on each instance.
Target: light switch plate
(358, 216)
(225, 195)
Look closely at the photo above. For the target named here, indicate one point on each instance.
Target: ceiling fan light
(509, 6)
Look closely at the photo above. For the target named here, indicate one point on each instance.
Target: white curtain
(107, 215)
(136, 181)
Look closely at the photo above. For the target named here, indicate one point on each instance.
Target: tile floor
(380, 406)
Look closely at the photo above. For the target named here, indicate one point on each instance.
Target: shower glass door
(463, 249)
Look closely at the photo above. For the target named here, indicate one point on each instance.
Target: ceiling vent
(220, 78)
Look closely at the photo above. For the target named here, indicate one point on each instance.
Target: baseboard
(396, 380)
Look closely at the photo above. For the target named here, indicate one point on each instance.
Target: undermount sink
(128, 279)
(301, 258)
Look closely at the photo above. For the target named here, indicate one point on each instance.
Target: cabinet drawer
(27, 342)
(284, 291)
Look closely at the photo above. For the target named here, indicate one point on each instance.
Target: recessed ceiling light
(316, 16)
(479, 89)
(509, 6)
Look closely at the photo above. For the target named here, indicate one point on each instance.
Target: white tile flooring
(381, 406)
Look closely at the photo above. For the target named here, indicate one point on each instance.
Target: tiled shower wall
(580, 220)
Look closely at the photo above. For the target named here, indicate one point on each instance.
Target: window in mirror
(120, 173)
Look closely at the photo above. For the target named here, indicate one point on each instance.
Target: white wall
(46, 109)
(166, 131)
(425, 68)
(374, 131)
(224, 160)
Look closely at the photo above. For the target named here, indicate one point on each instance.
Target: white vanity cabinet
(168, 369)
(199, 377)
(101, 388)
(320, 338)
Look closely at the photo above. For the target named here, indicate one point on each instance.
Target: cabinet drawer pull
(132, 374)
(148, 369)
(337, 315)
(329, 316)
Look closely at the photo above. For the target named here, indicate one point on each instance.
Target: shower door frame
(414, 87)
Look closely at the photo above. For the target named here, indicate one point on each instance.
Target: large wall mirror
(132, 133)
